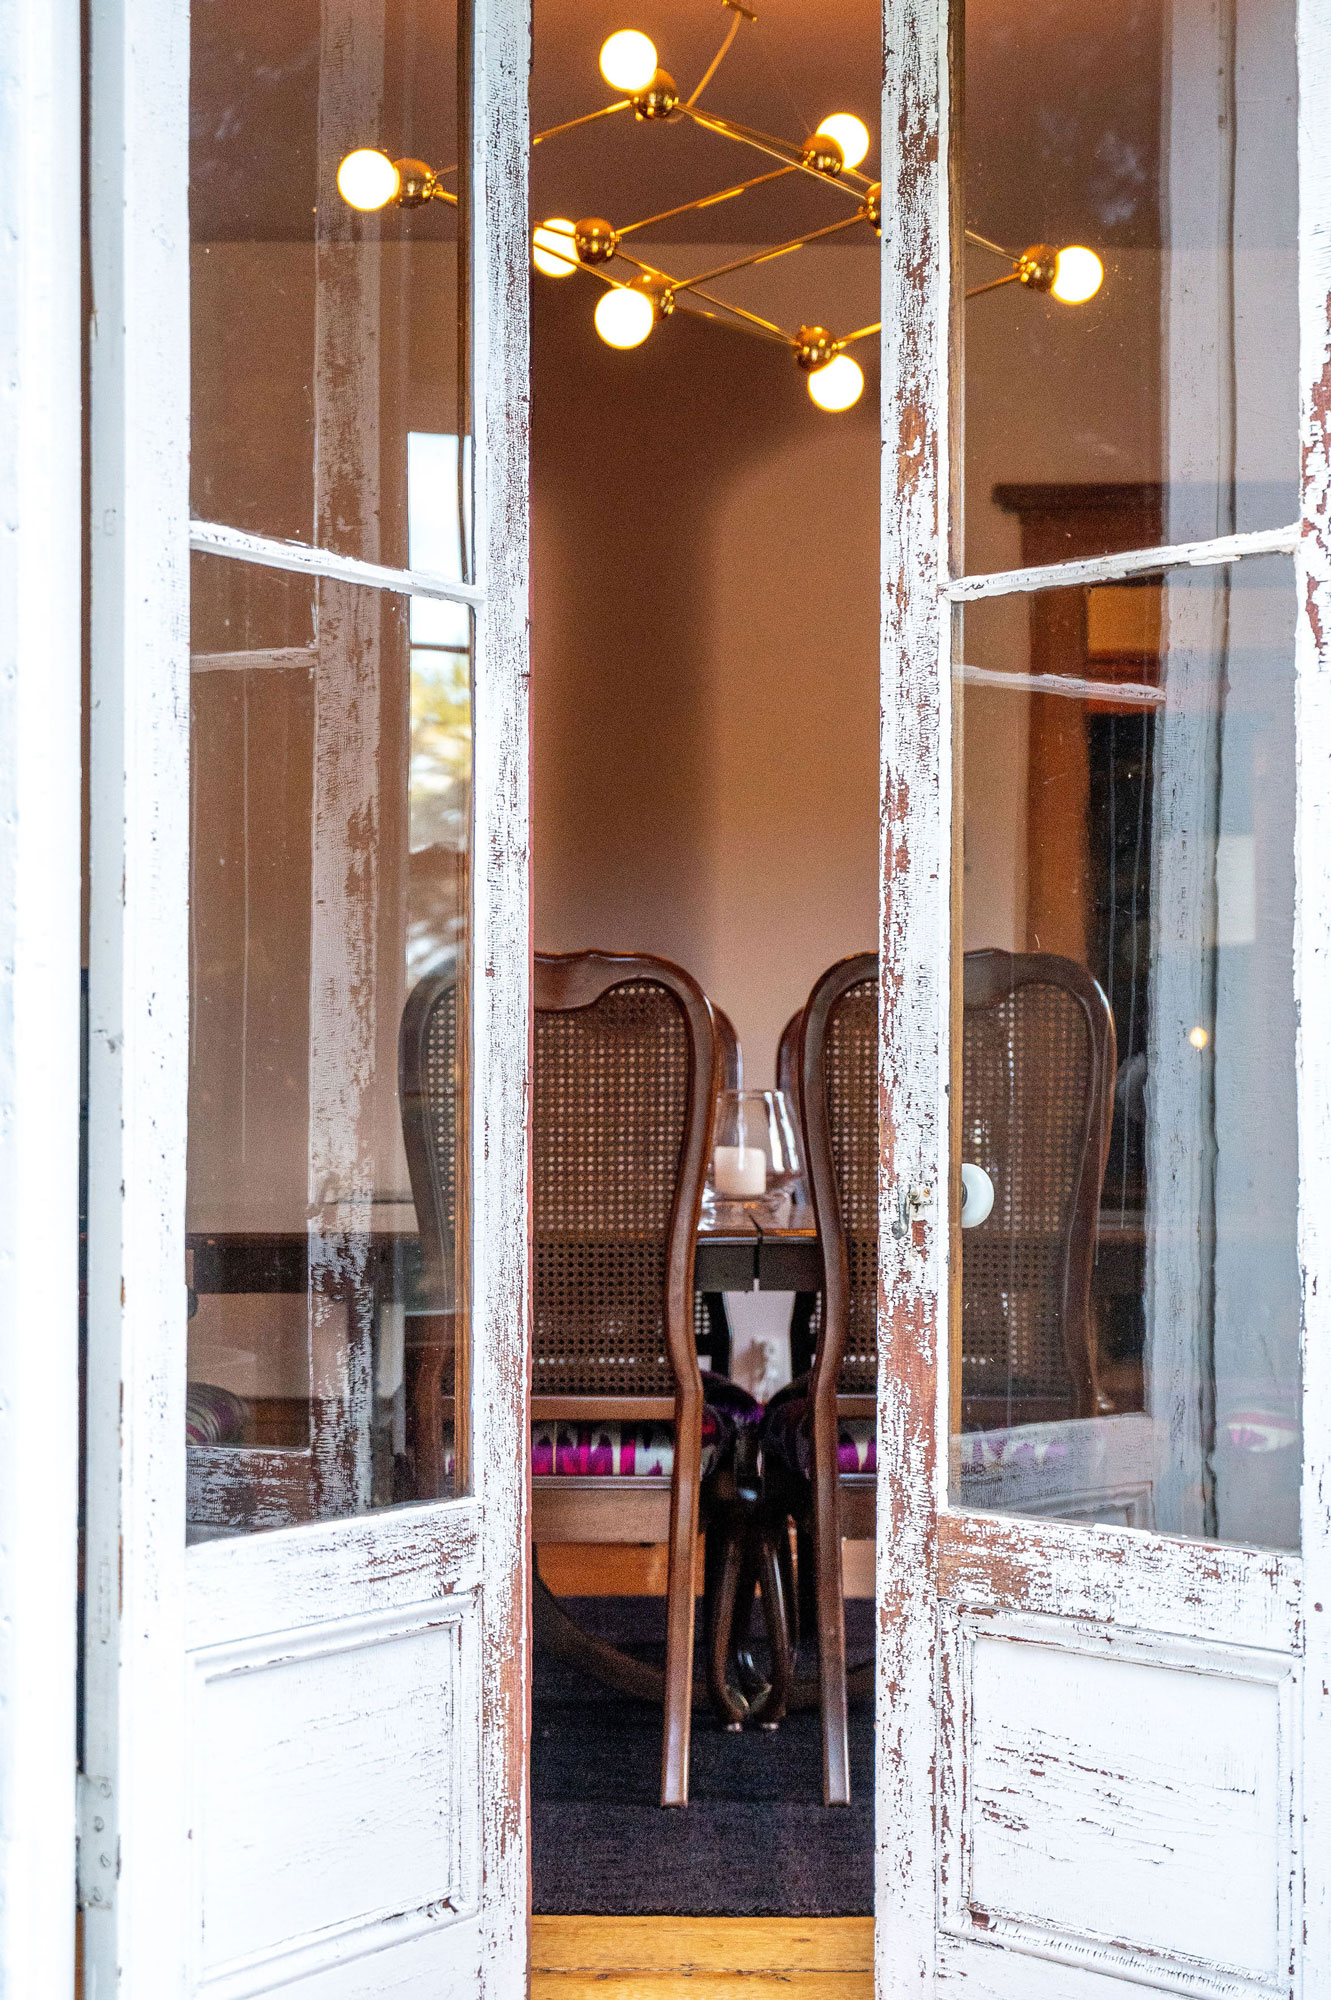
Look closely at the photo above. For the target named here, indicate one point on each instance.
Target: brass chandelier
(631, 305)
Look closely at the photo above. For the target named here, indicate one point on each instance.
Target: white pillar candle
(739, 1170)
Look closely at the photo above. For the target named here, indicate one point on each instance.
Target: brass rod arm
(983, 243)
(736, 326)
(992, 285)
(776, 149)
(553, 131)
(707, 200)
(860, 333)
(753, 318)
(443, 194)
(718, 58)
(766, 256)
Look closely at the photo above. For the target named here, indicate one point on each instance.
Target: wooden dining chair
(1038, 1061)
(1037, 1073)
(711, 1321)
(623, 1099)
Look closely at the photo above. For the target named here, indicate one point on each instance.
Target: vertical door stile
(40, 649)
(138, 992)
(345, 818)
(1312, 966)
(500, 67)
(914, 995)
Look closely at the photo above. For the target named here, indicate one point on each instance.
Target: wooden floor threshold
(695, 1958)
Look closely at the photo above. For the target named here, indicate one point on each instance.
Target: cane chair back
(711, 1322)
(430, 1095)
(621, 1120)
(838, 1073)
(1038, 1058)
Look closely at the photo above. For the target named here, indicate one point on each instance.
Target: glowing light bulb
(838, 384)
(552, 248)
(1078, 275)
(624, 317)
(367, 179)
(850, 133)
(1198, 1037)
(628, 60)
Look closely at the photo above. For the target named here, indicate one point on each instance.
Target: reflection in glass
(1162, 409)
(1129, 1324)
(320, 337)
(330, 829)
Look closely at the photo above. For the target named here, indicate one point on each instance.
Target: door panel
(1092, 1711)
(339, 1810)
(1119, 1799)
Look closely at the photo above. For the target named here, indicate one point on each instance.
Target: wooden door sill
(685, 1958)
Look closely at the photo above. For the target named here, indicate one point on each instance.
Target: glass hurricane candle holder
(755, 1152)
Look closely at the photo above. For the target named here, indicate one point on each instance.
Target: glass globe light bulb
(838, 384)
(552, 249)
(624, 317)
(1078, 275)
(850, 133)
(367, 179)
(628, 60)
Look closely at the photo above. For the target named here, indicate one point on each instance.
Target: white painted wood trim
(210, 538)
(1131, 694)
(139, 777)
(1312, 967)
(364, 1565)
(1220, 1595)
(1133, 562)
(40, 847)
(500, 974)
(915, 748)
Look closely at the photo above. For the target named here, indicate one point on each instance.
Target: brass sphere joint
(872, 210)
(657, 99)
(824, 154)
(1038, 267)
(594, 240)
(417, 183)
(660, 291)
(814, 347)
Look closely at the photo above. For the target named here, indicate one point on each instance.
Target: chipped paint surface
(1042, 1796)
(381, 1632)
(914, 992)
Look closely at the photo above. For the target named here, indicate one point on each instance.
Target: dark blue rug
(754, 1840)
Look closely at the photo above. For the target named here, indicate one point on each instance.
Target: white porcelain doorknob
(977, 1195)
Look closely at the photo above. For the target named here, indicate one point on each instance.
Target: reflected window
(1130, 1306)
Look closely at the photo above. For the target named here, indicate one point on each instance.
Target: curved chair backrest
(730, 1062)
(1038, 1059)
(433, 1105)
(623, 1099)
(838, 1098)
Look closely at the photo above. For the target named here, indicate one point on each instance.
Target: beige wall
(705, 650)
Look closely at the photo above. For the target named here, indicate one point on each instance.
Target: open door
(306, 1631)
(1102, 1554)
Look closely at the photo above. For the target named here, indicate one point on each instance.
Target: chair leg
(831, 1632)
(684, 1497)
(729, 1710)
(776, 1614)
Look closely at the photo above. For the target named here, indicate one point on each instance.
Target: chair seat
(787, 1435)
(214, 1415)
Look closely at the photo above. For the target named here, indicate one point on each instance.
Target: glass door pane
(329, 898)
(1127, 1340)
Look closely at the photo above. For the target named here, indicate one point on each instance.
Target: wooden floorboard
(694, 1958)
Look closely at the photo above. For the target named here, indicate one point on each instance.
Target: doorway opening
(705, 793)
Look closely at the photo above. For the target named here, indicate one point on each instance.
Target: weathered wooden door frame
(40, 659)
(934, 1559)
(136, 1878)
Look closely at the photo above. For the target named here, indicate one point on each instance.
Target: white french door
(306, 1629)
(1103, 1554)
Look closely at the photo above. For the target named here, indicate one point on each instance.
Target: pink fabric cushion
(788, 1435)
